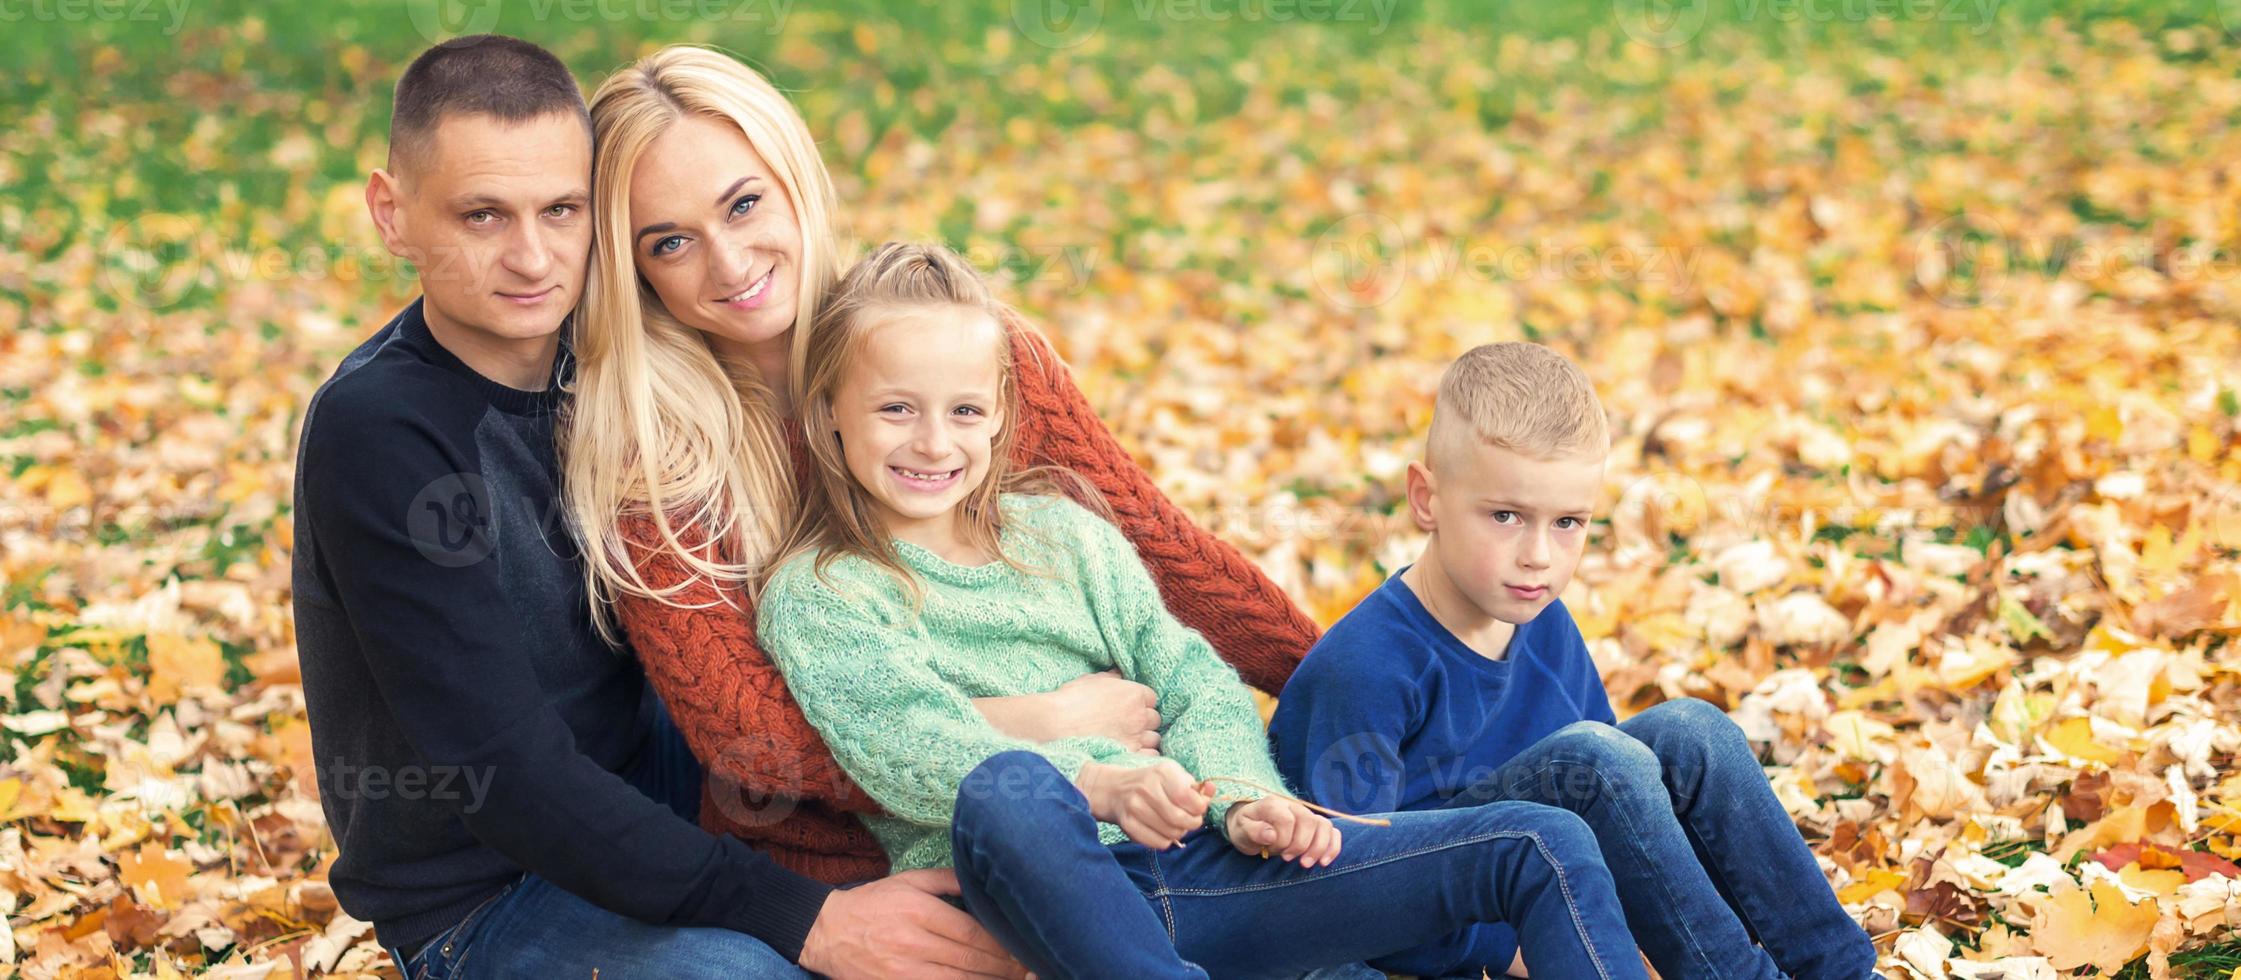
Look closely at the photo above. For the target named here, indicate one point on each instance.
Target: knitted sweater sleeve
(1210, 724)
(908, 736)
(701, 652)
(1205, 581)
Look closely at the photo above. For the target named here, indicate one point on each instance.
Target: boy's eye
(1568, 523)
(1502, 516)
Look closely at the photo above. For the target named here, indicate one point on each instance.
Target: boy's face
(1507, 528)
(917, 412)
(497, 218)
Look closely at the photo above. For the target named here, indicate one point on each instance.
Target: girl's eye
(892, 409)
(668, 245)
(745, 204)
(969, 409)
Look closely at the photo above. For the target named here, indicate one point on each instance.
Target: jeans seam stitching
(1160, 893)
(1349, 869)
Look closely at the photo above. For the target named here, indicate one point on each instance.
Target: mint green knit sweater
(892, 694)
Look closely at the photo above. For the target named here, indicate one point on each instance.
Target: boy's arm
(1212, 726)
(903, 733)
(1342, 720)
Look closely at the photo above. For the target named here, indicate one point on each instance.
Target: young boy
(1463, 680)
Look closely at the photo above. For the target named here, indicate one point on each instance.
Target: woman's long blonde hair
(837, 517)
(659, 424)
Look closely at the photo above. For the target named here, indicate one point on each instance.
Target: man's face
(497, 217)
(1510, 528)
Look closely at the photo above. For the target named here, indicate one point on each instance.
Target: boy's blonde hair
(1517, 396)
(837, 517)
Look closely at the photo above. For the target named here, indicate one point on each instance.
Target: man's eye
(561, 210)
(480, 217)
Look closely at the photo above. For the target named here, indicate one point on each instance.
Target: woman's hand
(1276, 826)
(1103, 703)
(1155, 804)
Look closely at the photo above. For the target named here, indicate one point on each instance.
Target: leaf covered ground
(1918, 323)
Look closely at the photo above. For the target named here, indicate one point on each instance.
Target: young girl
(922, 572)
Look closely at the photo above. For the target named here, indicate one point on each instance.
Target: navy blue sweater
(1390, 711)
(467, 721)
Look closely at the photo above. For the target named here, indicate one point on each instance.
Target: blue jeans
(534, 929)
(1034, 873)
(1705, 858)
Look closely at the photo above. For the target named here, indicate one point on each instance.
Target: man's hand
(1156, 804)
(898, 926)
(1103, 703)
(1279, 826)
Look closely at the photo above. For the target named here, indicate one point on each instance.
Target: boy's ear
(1420, 489)
(384, 202)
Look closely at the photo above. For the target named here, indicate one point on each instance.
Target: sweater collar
(412, 324)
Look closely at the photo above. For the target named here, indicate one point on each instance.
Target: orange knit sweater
(772, 781)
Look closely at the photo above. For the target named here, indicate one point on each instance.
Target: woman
(715, 239)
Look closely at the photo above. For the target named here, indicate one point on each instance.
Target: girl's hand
(1277, 826)
(1155, 804)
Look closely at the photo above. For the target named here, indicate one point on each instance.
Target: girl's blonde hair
(837, 516)
(660, 424)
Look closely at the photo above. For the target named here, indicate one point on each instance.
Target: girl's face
(917, 410)
(714, 234)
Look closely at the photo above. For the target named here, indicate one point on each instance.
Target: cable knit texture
(771, 779)
(891, 687)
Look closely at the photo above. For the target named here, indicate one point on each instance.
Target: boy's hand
(1275, 826)
(1155, 804)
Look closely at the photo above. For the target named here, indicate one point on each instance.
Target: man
(500, 782)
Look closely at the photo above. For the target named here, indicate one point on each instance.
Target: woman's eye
(668, 245)
(744, 204)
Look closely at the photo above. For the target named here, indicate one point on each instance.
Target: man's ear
(385, 202)
(1421, 491)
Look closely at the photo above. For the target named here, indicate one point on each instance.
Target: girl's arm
(1212, 726)
(908, 737)
(1206, 582)
(725, 695)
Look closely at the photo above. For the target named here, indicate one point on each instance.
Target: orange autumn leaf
(2077, 928)
(156, 874)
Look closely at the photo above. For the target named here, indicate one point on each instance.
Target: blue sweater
(1391, 712)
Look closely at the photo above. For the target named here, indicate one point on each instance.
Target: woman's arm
(1206, 582)
(721, 688)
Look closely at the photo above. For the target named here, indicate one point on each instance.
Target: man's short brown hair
(506, 78)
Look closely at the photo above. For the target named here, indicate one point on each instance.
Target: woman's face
(714, 234)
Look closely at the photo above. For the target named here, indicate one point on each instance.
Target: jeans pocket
(441, 956)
